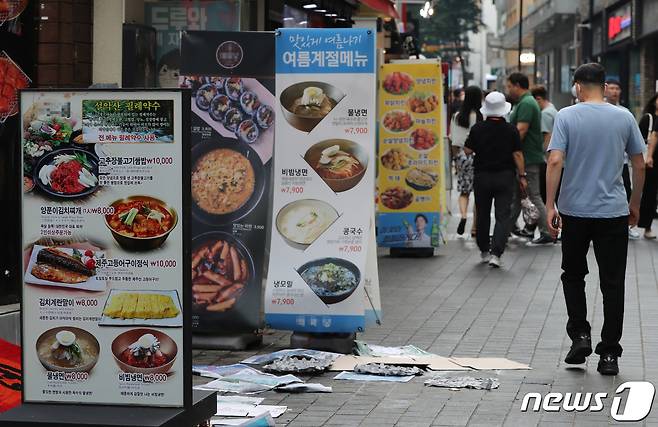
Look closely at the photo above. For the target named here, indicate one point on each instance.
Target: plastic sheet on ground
(264, 420)
(304, 388)
(248, 381)
(260, 359)
(386, 370)
(364, 349)
(351, 376)
(298, 365)
(215, 371)
(463, 382)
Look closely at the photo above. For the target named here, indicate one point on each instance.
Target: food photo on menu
(142, 308)
(333, 280)
(68, 349)
(144, 351)
(339, 162)
(302, 222)
(304, 105)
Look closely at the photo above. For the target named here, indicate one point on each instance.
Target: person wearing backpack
(649, 129)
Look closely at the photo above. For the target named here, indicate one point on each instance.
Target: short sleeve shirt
(527, 111)
(548, 118)
(594, 138)
(494, 141)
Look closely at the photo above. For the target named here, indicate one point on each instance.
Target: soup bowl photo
(294, 92)
(338, 185)
(146, 243)
(167, 346)
(46, 340)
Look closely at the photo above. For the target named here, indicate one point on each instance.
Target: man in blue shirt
(589, 139)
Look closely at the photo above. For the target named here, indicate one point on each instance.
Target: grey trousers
(534, 194)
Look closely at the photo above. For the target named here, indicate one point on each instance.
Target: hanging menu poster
(411, 156)
(323, 179)
(231, 78)
(104, 252)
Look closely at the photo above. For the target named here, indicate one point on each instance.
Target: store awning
(380, 7)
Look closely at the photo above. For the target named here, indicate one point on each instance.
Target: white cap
(495, 105)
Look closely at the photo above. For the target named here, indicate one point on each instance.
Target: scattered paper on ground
(248, 381)
(463, 382)
(264, 420)
(365, 377)
(365, 349)
(488, 363)
(435, 363)
(215, 371)
(260, 359)
(241, 409)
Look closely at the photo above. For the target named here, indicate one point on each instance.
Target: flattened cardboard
(489, 363)
(440, 363)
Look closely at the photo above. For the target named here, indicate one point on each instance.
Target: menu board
(323, 179)
(104, 252)
(411, 190)
(231, 78)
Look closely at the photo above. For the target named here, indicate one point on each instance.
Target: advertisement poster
(171, 17)
(104, 247)
(231, 77)
(411, 156)
(324, 171)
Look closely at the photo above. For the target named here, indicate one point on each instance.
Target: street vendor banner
(105, 272)
(323, 180)
(231, 78)
(411, 190)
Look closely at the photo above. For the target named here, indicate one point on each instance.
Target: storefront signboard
(105, 259)
(231, 78)
(411, 181)
(323, 180)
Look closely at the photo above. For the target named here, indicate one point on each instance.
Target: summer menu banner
(231, 77)
(411, 163)
(323, 179)
(104, 250)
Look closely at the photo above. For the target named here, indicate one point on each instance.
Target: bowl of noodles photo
(228, 181)
(141, 223)
(339, 162)
(306, 104)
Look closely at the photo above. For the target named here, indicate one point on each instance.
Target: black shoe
(542, 240)
(580, 349)
(608, 365)
(461, 226)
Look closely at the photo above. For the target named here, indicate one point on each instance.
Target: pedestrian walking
(613, 94)
(497, 148)
(648, 128)
(548, 113)
(526, 116)
(462, 122)
(589, 140)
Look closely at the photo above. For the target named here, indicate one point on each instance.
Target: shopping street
(453, 306)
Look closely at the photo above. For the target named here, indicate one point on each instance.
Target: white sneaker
(633, 233)
(495, 261)
(486, 257)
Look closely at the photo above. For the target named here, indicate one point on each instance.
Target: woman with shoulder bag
(462, 122)
(649, 129)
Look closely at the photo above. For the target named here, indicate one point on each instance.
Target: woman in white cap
(497, 148)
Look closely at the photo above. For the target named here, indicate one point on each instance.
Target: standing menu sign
(104, 247)
(231, 76)
(411, 156)
(323, 180)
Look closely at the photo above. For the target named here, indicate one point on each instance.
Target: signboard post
(105, 288)
(231, 77)
(412, 172)
(323, 180)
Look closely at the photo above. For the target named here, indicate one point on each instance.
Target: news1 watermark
(638, 401)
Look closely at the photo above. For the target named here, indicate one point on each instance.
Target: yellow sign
(411, 163)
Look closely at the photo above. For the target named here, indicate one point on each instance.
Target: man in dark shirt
(497, 148)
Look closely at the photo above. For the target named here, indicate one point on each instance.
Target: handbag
(529, 211)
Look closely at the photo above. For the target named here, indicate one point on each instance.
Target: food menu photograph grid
(411, 184)
(231, 82)
(103, 247)
(324, 167)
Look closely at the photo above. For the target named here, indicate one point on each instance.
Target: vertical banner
(411, 156)
(231, 76)
(323, 180)
(105, 279)
(171, 17)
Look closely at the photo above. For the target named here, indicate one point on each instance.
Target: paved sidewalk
(453, 306)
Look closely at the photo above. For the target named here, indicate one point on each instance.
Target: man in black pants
(497, 145)
(590, 139)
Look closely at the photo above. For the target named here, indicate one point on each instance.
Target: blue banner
(309, 50)
(408, 230)
(315, 322)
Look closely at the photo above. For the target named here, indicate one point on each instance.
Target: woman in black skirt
(649, 127)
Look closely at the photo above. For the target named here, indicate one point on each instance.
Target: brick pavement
(453, 306)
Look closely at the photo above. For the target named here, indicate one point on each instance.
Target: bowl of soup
(306, 104)
(339, 162)
(67, 349)
(141, 223)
